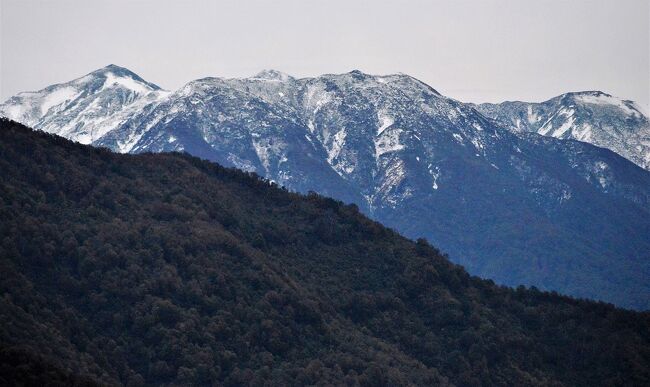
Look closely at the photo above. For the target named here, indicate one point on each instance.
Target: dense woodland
(165, 269)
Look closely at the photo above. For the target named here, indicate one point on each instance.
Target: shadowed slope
(167, 269)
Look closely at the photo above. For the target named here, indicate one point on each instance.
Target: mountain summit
(590, 116)
(272, 75)
(114, 73)
(87, 108)
(511, 205)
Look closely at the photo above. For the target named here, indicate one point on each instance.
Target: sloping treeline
(166, 269)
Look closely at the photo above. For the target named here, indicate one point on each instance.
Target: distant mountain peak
(272, 75)
(600, 98)
(591, 116)
(358, 74)
(122, 76)
(595, 93)
(86, 108)
(115, 68)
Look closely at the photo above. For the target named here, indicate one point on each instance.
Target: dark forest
(164, 269)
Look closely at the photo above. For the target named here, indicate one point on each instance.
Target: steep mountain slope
(590, 116)
(87, 108)
(516, 207)
(161, 269)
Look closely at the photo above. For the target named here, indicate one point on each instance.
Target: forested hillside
(166, 269)
(515, 207)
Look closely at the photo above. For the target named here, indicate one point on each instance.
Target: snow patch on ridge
(126, 82)
(58, 97)
(604, 99)
(16, 112)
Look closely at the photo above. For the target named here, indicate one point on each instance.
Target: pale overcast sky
(476, 51)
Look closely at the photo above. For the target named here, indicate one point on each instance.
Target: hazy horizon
(465, 50)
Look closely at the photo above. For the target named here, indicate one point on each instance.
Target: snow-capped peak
(358, 74)
(272, 75)
(117, 76)
(604, 99)
(589, 116)
(113, 68)
(86, 108)
(129, 83)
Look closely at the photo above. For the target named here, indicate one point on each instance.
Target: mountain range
(514, 192)
(168, 270)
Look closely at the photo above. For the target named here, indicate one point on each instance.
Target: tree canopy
(164, 269)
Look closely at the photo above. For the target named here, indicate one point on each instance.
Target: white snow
(58, 97)
(126, 146)
(171, 139)
(126, 82)
(266, 148)
(568, 124)
(566, 112)
(337, 145)
(83, 138)
(388, 142)
(583, 132)
(546, 127)
(435, 174)
(310, 126)
(271, 76)
(84, 79)
(384, 120)
(604, 99)
(135, 136)
(15, 112)
(316, 97)
(477, 144)
(452, 114)
(237, 161)
(308, 138)
(642, 109)
(532, 117)
(392, 178)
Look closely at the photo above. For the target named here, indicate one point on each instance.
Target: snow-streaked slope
(86, 108)
(590, 116)
(512, 205)
(351, 129)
